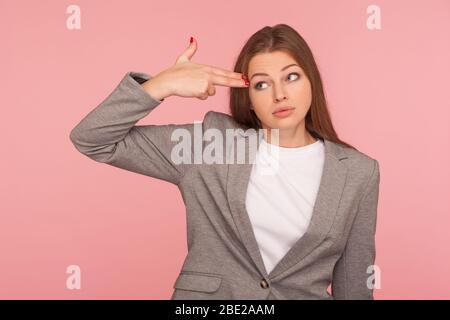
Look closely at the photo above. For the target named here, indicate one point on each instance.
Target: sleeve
(350, 276)
(108, 133)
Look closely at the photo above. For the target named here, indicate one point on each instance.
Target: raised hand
(189, 79)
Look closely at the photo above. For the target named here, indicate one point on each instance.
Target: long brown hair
(285, 38)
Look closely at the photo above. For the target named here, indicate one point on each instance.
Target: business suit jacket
(223, 260)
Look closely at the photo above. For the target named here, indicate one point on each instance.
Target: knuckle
(204, 71)
(205, 86)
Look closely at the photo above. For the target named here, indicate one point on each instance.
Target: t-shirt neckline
(291, 150)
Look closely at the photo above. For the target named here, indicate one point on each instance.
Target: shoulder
(361, 164)
(220, 120)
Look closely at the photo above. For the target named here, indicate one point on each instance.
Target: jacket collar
(332, 183)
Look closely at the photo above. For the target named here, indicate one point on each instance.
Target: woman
(253, 233)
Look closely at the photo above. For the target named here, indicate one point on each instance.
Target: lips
(282, 109)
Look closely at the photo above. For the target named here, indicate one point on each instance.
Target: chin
(285, 123)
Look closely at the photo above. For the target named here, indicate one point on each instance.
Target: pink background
(388, 95)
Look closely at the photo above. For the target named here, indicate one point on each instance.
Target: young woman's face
(280, 87)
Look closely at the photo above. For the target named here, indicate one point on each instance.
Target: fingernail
(245, 78)
(192, 39)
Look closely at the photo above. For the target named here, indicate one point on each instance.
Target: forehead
(270, 62)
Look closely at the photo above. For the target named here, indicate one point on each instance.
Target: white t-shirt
(281, 194)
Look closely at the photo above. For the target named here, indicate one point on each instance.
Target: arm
(108, 133)
(350, 272)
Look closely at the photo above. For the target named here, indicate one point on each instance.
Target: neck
(289, 138)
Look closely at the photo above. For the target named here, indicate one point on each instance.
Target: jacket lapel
(325, 208)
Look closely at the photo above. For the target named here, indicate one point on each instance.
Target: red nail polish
(245, 78)
(192, 39)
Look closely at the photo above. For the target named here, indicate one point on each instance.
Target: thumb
(189, 52)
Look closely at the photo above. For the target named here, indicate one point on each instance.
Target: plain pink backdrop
(387, 91)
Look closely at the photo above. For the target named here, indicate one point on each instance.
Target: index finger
(228, 81)
(224, 72)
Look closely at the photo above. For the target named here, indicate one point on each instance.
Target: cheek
(301, 94)
(260, 101)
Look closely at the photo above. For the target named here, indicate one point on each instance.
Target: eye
(295, 73)
(292, 73)
(256, 85)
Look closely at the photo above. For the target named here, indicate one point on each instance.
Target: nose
(279, 94)
(280, 98)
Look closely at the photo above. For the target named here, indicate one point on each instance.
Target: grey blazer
(223, 260)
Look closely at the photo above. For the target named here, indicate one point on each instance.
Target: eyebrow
(265, 74)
